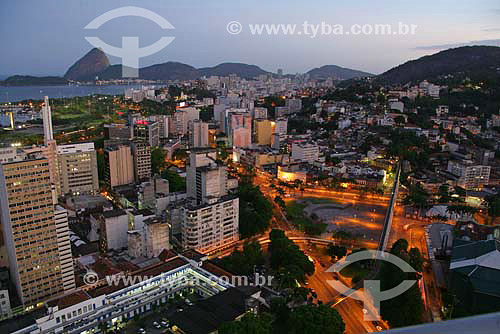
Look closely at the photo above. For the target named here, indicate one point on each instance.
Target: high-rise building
(206, 177)
(78, 168)
(211, 225)
(470, 176)
(294, 105)
(141, 152)
(181, 119)
(113, 228)
(263, 131)
(64, 247)
(119, 165)
(147, 131)
(210, 217)
(198, 134)
(242, 137)
(48, 134)
(30, 230)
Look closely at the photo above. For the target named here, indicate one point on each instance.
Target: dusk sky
(44, 37)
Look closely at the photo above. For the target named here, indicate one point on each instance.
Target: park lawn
(315, 200)
(295, 212)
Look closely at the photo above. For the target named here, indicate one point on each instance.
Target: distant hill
(336, 72)
(479, 62)
(28, 80)
(89, 66)
(242, 70)
(166, 71)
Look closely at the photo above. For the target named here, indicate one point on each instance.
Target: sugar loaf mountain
(474, 61)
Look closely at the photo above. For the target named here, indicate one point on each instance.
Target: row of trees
(407, 308)
(303, 319)
(244, 262)
(255, 210)
(291, 265)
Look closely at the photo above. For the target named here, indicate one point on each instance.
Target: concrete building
(119, 165)
(141, 152)
(210, 225)
(147, 131)
(5, 310)
(206, 177)
(77, 169)
(198, 134)
(259, 113)
(294, 105)
(117, 131)
(263, 131)
(210, 216)
(281, 126)
(150, 240)
(64, 247)
(181, 119)
(48, 134)
(471, 176)
(26, 200)
(242, 137)
(307, 152)
(113, 227)
(84, 310)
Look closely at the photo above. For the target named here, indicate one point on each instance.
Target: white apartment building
(64, 246)
(141, 152)
(307, 152)
(210, 225)
(471, 176)
(206, 177)
(198, 134)
(77, 164)
(150, 240)
(113, 227)
(181, 119)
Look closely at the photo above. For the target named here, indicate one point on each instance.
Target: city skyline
(201, 37)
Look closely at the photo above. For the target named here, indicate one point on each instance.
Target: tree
(336, 252)
(417, 197)
(399, 120)
(249, 324)
(493, 205)
(344, 235)
(175, 181)
(288, 260)
(245, 262)
(316, 319)
(278, 200)
(407, 308)
(444, 194)
(255, 210)
(157, 160)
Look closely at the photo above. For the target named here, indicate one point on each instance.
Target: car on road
(164, 323)
(188, 302)
(141, 331)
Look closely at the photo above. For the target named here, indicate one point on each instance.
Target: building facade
(30, 230)
(77, 169)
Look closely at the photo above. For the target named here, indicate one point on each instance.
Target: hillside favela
(248, 167)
